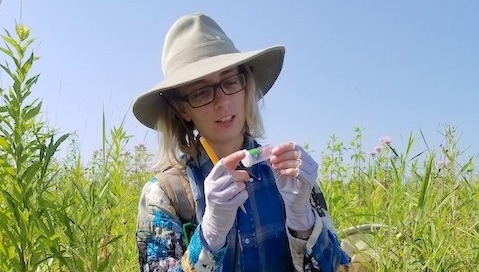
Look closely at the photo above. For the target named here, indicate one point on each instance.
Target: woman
(211, 90)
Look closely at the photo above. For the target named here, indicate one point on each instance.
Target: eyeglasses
(206, 95)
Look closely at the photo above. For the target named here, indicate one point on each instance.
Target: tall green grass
(428, 201)
(72, 213)
(61, 214)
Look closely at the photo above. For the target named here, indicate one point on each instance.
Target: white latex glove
(296, 173)
(224, 193)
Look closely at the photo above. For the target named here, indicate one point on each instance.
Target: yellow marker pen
(214, 159)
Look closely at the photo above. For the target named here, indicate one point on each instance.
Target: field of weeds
(79, 214)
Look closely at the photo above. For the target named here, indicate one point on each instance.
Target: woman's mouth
(225, 119)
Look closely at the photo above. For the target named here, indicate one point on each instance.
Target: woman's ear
(180, 106)
(181, 110)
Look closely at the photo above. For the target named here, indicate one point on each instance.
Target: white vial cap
(248, 159)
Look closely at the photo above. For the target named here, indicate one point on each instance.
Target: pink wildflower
(385, 140)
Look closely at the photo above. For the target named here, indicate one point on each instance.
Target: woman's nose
(221, 98)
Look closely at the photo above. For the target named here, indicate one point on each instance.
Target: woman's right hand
(224, 193)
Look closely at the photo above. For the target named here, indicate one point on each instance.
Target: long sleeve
(159, 232)
(321, 252)
(160, 237)
(199, 258)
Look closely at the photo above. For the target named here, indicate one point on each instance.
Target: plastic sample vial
(257, 155)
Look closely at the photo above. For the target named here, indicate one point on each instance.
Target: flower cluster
(383, 142)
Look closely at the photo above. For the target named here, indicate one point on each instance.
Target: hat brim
(265, 64)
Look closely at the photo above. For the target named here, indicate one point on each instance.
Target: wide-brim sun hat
(195, 47)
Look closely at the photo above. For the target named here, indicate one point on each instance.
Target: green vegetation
(60, 215)
(428, 200)
(72, 214)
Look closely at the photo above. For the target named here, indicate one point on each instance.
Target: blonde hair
(177, 137)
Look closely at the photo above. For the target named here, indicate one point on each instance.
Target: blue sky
(390, 67)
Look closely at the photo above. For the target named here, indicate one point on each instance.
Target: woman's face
(222, 121)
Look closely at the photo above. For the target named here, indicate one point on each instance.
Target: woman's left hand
(296, 173)
(293, 161)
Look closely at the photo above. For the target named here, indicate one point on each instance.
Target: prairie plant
(29, 235)
(100, 198)
(80, 215)
(332, 168)
(425, 203)
(61, 216)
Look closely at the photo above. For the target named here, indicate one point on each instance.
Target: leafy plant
(426, 206)
(27, 148)
(99, 213)
(77, 214)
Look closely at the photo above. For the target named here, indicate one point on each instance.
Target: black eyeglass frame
(215, 87)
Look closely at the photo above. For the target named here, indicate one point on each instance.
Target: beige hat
(195, 47)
